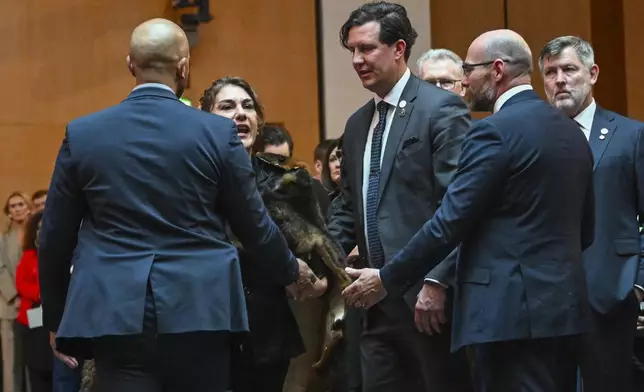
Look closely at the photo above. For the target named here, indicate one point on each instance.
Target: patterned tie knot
(382, 108)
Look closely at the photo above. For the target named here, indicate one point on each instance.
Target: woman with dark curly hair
(274, 339)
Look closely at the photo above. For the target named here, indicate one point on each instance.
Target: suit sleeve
(639, 178)
(341, 218)
(244, 210)
(588, 221)
(482, 171)
(450, 122)
(65, 209)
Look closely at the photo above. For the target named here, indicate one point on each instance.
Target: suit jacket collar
(523, 96)
(364, 115)
(397, 130)
(151, 91)
(509, 94)
(601, 133)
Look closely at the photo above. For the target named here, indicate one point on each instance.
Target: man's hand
(430, 309)
(367, 290)
(304, 284)
(316, 290)
(71, 362)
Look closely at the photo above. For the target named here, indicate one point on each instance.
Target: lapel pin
(604, 131)
(602, 137)
(402, 105)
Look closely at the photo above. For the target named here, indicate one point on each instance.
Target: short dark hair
(321, 149)
(273, 135)
(30, 236)
(393, 20)
(38, 194)
(207, 99)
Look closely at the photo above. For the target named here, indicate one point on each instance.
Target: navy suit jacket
(152, 181)
(614, 261)
(521, 206)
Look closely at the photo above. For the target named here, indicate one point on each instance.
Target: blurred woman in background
(34, 339)
(17, 208)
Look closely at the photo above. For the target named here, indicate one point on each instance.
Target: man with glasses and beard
(521, 207)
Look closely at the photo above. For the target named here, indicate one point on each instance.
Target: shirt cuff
(434, 281)
(640, 288)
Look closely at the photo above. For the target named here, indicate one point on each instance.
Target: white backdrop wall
(342, 90)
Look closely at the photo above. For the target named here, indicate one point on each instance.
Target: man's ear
(130, 66)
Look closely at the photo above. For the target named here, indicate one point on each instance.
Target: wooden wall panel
(634, 57)
(454, 26)
(539, 21)
(66, 58)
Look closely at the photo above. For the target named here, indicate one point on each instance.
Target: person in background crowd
(614, 263)
(274, 338)
(17, 208)
(330, 176)
(36, 352)
(38, 199)
(318, 156)
(442, 67)
(274, 139)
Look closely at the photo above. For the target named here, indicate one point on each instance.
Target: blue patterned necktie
(376, 253)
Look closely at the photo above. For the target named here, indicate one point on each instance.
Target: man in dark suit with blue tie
(156, 289)
(400, 151)
(521, 207)
(614, 264)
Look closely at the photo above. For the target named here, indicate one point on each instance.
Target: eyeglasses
(445, 84)
(468, 68)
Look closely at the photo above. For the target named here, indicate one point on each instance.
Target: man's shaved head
(506, 45)
(159, 52)
(496, 61)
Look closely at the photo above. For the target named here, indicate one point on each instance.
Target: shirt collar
(586, 116)
(509, 94)
(393, 96)
(152, 85)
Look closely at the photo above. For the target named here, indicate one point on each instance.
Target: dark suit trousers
(537, 365)
(151, 362)
(608, 350)
(396, 357)
(249, 375)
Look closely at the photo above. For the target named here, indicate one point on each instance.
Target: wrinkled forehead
(442, 69)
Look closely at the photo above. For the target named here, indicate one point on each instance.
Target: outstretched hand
(367, 290)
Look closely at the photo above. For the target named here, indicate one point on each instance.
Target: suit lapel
(397, 130)
(362, 123)
(601, 133)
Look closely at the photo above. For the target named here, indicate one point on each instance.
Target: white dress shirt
(392, 98)
(155, 85)
(509, 94)
(585, 118)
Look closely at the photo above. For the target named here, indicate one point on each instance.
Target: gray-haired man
(613, 263)
(442, 67)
